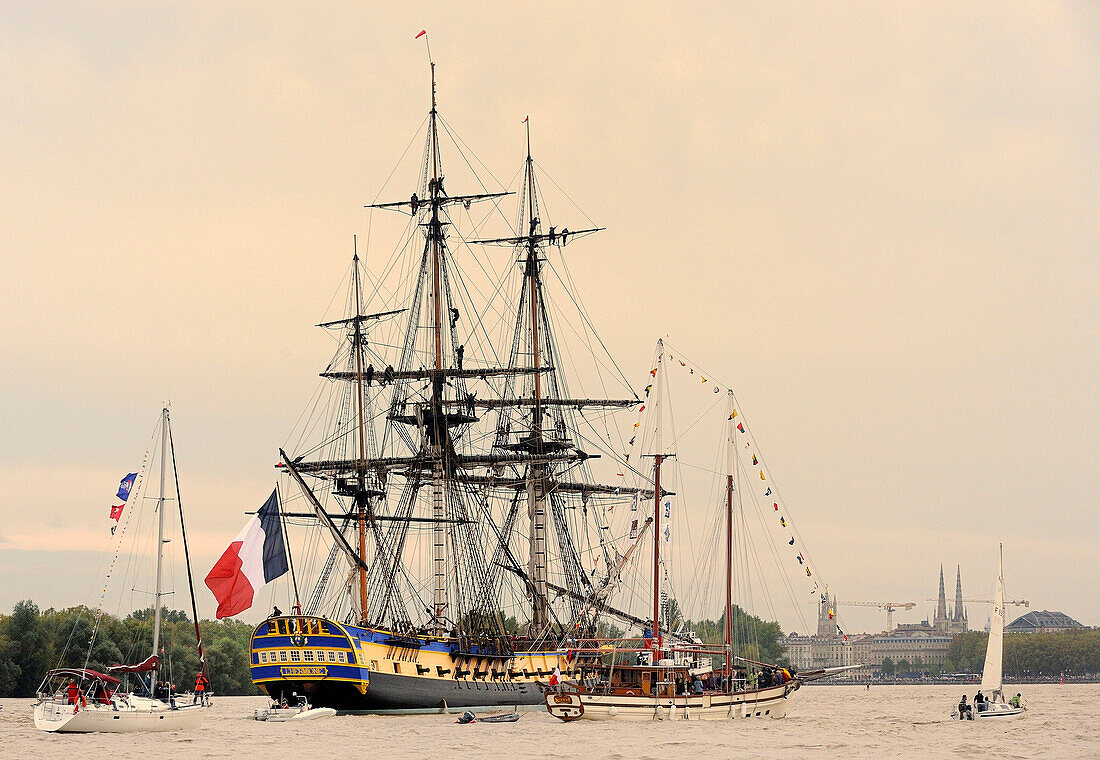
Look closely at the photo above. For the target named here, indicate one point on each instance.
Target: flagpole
(286, 547)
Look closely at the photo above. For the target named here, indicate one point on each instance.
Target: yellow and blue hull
(360, 669)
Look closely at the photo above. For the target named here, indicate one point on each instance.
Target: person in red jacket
(201, 687)
(76, 697)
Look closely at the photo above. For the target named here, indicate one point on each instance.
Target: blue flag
(125, 486)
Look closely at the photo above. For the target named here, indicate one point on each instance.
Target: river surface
(822, 722)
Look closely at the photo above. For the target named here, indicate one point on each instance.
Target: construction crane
(888, 606)
(1017, 602)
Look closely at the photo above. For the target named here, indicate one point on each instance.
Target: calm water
(823, 722)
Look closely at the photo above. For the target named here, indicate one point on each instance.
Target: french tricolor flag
(257, 556)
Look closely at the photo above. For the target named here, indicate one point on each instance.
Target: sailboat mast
(536, 491)
(361, 493)
(187, 554)
(439, 536)
(160, 529)
(657, 457)
(729, 535)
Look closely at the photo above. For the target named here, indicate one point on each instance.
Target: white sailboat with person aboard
(84, 700)
(990, 700)
(672, 673)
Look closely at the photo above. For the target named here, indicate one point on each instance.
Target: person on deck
(964, 708)
(1015, 701)
(696, 686)
(979, 701)
(201, 686)
(73, 693)
(103, 694)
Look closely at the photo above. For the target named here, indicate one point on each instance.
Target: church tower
(942, 622)
(958, 620)
(826, 614)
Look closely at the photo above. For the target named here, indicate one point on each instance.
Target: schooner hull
(761, 703)
(356, 669)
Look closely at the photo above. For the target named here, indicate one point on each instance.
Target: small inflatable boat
(281, 712)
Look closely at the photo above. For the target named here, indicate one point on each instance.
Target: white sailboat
(995, 705)
(81, 700)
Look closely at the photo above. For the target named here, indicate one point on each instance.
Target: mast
(187, 555)
(729, 535)
(439, 535)
(160, 531)
(657, 457)
(536, 478)
(361, 492)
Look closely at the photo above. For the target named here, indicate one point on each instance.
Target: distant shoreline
(933, 681)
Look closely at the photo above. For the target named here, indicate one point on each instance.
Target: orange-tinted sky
(878, 222)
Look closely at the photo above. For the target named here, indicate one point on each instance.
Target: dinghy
(279, 713)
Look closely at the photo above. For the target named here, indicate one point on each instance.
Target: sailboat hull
(356, 669)
(58, 716)
(999, 710)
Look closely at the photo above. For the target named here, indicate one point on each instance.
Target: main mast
(536, 474)
(439, 533)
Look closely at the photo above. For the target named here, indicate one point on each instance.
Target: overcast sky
(878, 222)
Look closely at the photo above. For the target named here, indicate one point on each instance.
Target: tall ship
(454, 526)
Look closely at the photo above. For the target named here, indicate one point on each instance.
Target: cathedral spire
(941, 608)
(958, 595)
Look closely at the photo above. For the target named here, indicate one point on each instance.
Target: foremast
(361, 501)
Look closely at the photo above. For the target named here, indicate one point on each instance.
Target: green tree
(28, 646)
(887, 666)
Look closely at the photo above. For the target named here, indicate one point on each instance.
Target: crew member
(201, 686)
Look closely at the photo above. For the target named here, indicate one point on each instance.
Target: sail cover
(994, 651)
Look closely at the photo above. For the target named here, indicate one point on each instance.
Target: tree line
(33, 641)
(1074, 652)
